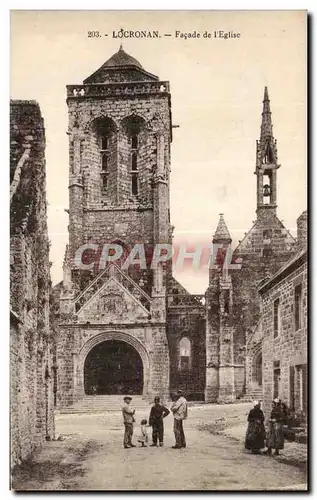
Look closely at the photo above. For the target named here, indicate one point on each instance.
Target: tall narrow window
(184, 354)
(104, 143)
(104, 156)
(133, 126)
(134, 173)
(104, 162)
(276, 382)
(277, 318)
(134, 162)
(298, 307)
(269, 157)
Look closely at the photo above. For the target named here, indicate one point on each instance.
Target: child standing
(143, 438)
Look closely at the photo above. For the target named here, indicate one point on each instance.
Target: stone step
(97, 404)
(113, 403)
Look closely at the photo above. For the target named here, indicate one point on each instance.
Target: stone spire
(222, 233)
(266, 126)
(266, 162)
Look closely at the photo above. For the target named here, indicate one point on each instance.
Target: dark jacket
(256, 414)
(158, 412)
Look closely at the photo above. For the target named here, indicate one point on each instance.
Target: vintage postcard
(158, 244)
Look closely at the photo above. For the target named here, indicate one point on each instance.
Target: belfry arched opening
(113, 367)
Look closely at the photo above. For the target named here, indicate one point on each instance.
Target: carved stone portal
(112, 303)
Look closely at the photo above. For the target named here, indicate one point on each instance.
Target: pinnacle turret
(266, 125)
(222, 233)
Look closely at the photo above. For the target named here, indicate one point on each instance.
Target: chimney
(302, 231)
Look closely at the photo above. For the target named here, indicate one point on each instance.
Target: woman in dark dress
(255, 436)
(275, 437)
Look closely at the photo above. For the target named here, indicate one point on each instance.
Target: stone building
(284, 329)
(31, 346)
(136, 329)
(118, 326)
(232, 299)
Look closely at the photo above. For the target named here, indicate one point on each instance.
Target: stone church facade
(136, 329)
(120, 134)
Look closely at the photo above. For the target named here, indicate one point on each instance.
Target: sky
(217, 88)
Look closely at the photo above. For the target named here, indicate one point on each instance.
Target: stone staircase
(254, 393)
(113, 403)
(100, 404)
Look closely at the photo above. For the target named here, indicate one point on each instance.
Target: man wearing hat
(128, 420)
(179, 410)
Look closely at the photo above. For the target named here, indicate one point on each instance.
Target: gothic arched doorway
(113, 367)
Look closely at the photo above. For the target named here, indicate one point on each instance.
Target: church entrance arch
(112, 363)
(113, 367)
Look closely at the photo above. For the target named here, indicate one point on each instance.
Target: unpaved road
(92, 458)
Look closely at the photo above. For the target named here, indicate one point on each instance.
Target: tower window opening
(105, 182)
(267, 189)
(134, 186)
(134, 174)
(104, 156)
(134, 162)
(134, 142)
(269, 157)
(104, 143)
(104, 162)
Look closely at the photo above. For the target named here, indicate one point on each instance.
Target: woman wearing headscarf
(275, 436)
(255, 436)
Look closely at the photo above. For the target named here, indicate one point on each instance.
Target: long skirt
(275, 436)
(255, 435)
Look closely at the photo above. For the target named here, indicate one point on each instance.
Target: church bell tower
(119, 163)
(119, 167)
(266, 162)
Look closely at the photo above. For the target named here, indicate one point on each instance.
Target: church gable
(267, 233)
(112, 303)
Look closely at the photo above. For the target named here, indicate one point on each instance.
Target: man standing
(179, 409)
(128, 419)
(158, 412)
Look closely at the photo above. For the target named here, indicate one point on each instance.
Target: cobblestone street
(91, 457)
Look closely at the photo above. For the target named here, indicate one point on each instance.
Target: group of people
(158, 412)
(257, 437)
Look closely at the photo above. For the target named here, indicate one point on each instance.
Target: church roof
(121, 58)
(222, 232)
(120, 67)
